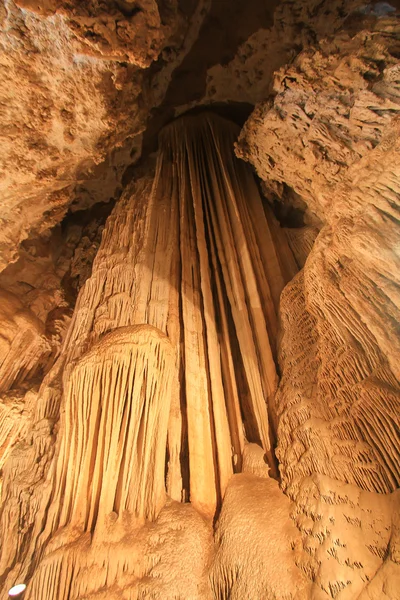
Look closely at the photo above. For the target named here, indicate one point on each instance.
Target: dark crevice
(225, 28)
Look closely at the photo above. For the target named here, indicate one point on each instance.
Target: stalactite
(112, 454)
(168, 365)
(231, 279)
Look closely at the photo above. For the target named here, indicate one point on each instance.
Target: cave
(200, 300)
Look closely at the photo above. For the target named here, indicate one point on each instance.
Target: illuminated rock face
(344, 377)
(167, 369)
(217, 424)
(112, 456)
(332, 136)
(75, 74)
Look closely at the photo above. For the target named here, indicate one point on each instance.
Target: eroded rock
(138, 440)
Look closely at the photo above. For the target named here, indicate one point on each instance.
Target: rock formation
(338, 401)
(173, 335)
(199, 382)
(77, 90)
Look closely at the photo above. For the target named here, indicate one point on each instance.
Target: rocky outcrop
(118, 29)
(24, 347)
(293, 26)
(331, 135)
(38, 293)
(349, 540)
(166, 371)
(330, 108)
(210, 409)
(76, 79)
(257, 542)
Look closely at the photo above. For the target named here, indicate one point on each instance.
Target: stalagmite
(168, 365)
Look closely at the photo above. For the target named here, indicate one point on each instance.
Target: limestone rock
(167, 367)
(75, 77)
(168, 558)
(257, 543)
(331, 136)
(211, 423)
(348, 536)
(23, 345)
(331, 107)
(284, 29)
(15, 417)
(128, 31)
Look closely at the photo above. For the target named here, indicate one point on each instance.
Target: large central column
(168, 366)
(230, 281)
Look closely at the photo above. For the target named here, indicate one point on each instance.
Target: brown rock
(74, 74)
(138, 440)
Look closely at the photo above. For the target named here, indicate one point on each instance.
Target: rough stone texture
(168, 558)
(23, 344)
(37, 295)
(117, 29)
(79, 93)
(294, 26)
(153, 394)
(330, 108)
(75, 79)
(161, 378)
(301, 241)
(350, 540)
(331, 135)
(15, 417)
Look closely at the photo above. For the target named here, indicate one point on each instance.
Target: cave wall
(83, 79)
(330, 135)
(169, 353)
(333, 138)
(76, 101)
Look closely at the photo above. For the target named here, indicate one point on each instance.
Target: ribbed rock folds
(198, 400)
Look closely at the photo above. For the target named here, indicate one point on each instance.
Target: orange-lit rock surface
(166, 370)
(331, 134)
(74, 89)
(199, 392)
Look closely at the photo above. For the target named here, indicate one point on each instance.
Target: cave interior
(200, 300)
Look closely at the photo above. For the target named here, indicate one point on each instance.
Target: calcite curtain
(229, 277)
(168, 366)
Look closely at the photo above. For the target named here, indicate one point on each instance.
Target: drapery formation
(168, 366)
(191, 254)
(229, 278)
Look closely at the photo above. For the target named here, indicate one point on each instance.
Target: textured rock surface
(138, 439)
(331, 107)
(256, 536)
(349, 538)
(39, 291)
(291, 27)
(165, 372)
(330, 137)
(75, 82)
